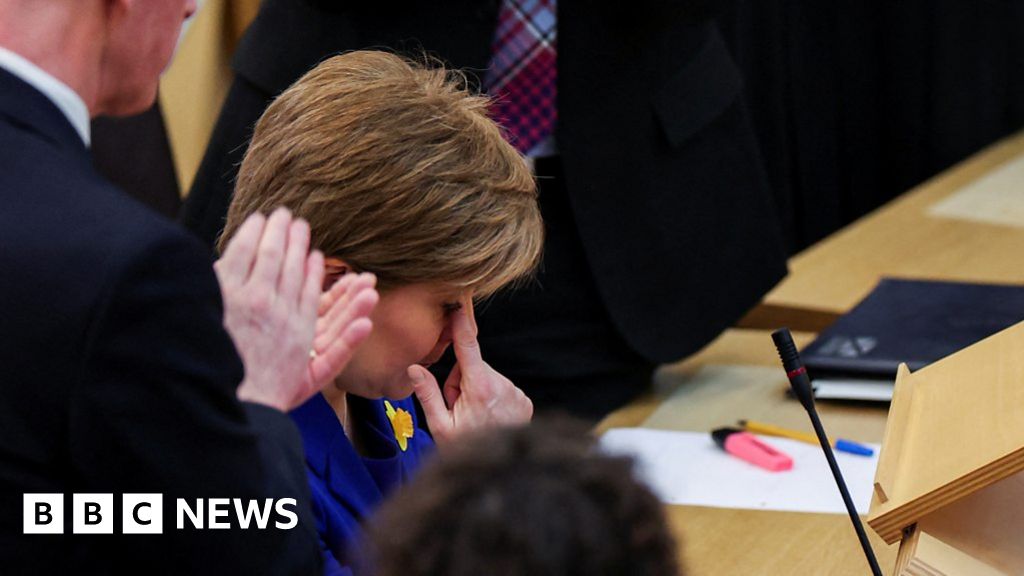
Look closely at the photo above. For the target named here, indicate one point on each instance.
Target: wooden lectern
(949, 482)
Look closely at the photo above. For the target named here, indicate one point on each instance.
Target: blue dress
(345, 486)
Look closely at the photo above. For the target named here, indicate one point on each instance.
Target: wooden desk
(898, 239)
(718, 541)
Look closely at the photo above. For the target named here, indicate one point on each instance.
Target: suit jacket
(347, 486)
(660, 162)
(135, 154)
(116, 375)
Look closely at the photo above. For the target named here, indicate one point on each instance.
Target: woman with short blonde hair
(400, 172)
(398, 168)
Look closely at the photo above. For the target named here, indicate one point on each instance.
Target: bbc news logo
(143, 513)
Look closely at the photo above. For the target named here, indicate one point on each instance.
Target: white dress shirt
(62, 96)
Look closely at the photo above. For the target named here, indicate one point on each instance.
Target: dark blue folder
(911, 321)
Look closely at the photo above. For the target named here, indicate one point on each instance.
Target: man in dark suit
(661, 229)
(116, 373)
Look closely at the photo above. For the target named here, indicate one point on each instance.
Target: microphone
(801, 385)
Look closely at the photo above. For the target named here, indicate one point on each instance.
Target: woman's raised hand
(475, 395)
(343, 324)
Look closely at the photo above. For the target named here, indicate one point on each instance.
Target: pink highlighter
(746, 446)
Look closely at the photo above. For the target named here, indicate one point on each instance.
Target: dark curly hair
(537, 501)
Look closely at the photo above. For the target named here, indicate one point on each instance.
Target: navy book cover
(911, 321)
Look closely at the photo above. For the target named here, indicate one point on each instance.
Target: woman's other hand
(475, 395)
(271, 287)
(343, 324)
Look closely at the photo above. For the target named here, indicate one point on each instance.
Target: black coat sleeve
(156, 412)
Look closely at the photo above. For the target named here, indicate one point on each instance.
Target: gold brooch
(401, 423)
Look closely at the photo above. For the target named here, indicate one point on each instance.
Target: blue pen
(852, 447)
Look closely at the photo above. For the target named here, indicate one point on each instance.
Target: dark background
(853, 102)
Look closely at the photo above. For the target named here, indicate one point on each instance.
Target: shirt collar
(62, 96)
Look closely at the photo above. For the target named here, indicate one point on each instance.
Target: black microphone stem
(801, 385)
(850, 508)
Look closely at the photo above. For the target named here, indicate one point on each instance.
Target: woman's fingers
(467, 305)
(467, 349)
(359, 299)
(328, 298)
(332, 360)
(525, 406)
(335, 346)
(425, 387)
(453, 386)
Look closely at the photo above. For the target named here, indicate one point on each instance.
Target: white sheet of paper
(995, 198)
(688, 468)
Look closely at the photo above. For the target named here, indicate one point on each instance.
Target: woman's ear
(334, 268)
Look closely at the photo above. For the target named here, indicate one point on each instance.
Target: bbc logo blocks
(90, 514)
(43, 514)
(142, 514)
(93, 514)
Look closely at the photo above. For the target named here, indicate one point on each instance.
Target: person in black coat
(661, 228)
(116, 373)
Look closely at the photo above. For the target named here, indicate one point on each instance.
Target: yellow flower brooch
(401, 423)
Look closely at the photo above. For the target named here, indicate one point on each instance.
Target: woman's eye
(451, 307)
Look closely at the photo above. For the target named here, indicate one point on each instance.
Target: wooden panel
(958, 431)
(899, 412)
(901, 239)
(985, 526)
(769, 317)
(922, 554)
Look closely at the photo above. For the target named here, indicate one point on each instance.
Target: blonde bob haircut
(399, 171)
